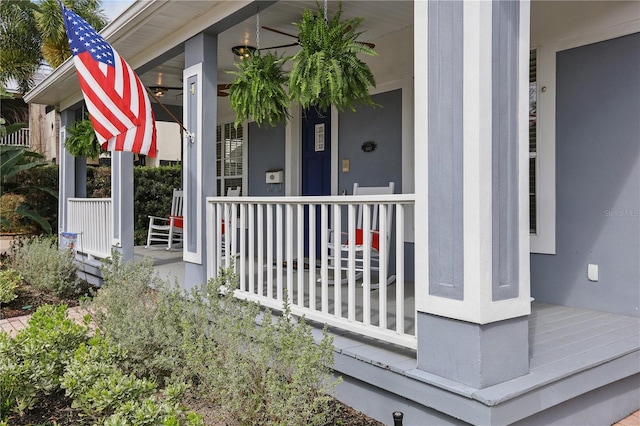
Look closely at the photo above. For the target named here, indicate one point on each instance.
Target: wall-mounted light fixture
(243, 51)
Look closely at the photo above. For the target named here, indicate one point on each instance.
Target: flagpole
(189, 134)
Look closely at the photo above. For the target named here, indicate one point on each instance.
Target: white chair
(340, 246)
(168, 230)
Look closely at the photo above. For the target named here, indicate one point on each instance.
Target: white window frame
(544, 240)
(243, 176)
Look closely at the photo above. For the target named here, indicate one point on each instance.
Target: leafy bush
(102, 390)
(10, 279)
(98, 182)
(53, 354)
(46, 267)
(33, 361)
(143, 314)
(153, 190)
(40, 187)
(15, 160)
(267, 373)
(13, 221)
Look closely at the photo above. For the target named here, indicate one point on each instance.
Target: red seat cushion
(177, 221)
(375, 239)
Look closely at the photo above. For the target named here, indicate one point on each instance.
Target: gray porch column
(66, 171)
(122, 203)
(472, 296)
(199, 152)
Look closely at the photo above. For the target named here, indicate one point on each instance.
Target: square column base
(477, 355)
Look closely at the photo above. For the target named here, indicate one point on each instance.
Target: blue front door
(316, 161)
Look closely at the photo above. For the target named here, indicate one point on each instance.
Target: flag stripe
(121, 119)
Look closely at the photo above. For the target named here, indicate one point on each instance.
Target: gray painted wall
(266, 152)
(382, 125)
(598, 180)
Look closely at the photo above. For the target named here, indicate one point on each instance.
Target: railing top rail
(333, 199)
(80, 200)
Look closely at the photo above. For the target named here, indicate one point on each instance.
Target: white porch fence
(272, 251)
(91, 219)
(19, 138)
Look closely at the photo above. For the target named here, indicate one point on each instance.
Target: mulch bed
(30, 298)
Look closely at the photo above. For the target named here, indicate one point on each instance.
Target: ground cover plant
(36, 273)
(54, 359)
(161, 355)
(255, 369)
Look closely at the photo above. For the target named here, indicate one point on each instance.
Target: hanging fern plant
(327, 71)
(258, 90)
(82, 141)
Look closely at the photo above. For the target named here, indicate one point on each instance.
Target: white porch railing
(273, 251)
(91, 219)
(19, 138)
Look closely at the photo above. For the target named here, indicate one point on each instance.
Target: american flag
(117, 102)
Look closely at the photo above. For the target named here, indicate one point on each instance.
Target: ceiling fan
(160, 91)
(297, 42)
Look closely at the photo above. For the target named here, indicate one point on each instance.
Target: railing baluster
(260, 213)
(219, 218)
(269, 251)
(400, 268)
(252, 248)
(289, 250)
(312, 257)
(324, 271)
(337, 261)
(382, 273)
(243, 247)
(300, 252)
(366, 260)
(351, 284)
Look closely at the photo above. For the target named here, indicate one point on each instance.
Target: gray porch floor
(572, 351)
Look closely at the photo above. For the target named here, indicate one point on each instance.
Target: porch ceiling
(150, 34)
(147, 30)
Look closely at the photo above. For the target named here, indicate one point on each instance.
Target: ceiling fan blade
(222, 94)
(282, 45)
(226, 86)
(371, 45)
(279, 32)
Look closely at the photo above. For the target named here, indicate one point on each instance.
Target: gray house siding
(382, 125)
(598, 180)
(266, 152)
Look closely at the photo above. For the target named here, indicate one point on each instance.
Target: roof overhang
(130, 35)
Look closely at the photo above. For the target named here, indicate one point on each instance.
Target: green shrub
(143, 314)
(46, 267)
(38, 185)
(34, 360)
(260, 371)
(98, 182)
(152, 194)
(103, 391)
(10, 279)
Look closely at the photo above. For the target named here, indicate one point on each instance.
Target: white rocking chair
(168, 230)
(339, 250)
